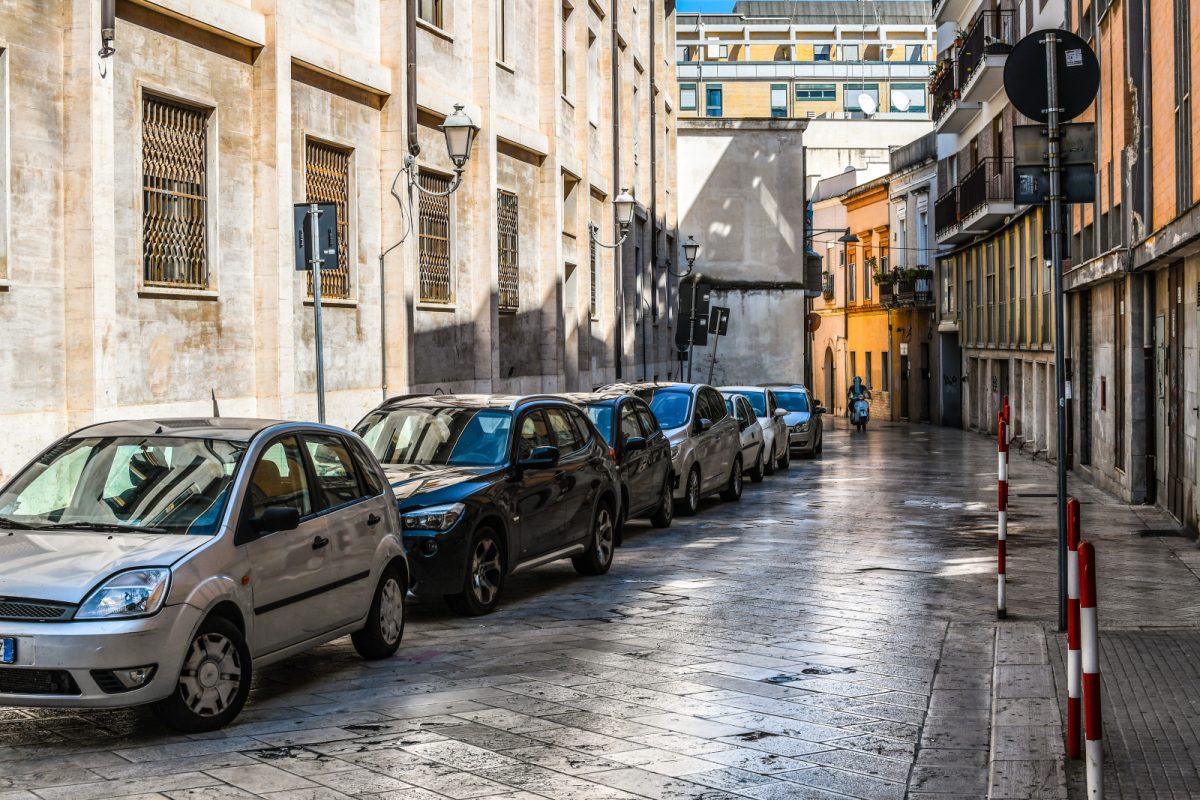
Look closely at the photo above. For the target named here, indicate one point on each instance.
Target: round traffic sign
(1025, 75)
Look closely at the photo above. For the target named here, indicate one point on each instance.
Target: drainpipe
(653, 193)
(619, 342)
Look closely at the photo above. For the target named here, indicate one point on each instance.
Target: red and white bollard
(1074, 694)
(1090, 639)
(1002, 505)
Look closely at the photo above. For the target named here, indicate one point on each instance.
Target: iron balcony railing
(990, 181)
(944, 87)
(905, 290)
(991, 31)
(945, 211)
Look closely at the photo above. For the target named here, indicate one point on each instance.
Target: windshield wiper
(103, 527)
(9, 522)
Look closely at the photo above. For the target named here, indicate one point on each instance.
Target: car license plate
(8, 650)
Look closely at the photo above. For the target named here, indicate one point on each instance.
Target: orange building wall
(1162, 60)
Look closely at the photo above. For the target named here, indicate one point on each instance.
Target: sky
(708, 6)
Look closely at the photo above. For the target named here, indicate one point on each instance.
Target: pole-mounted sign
(316, 240)
(1052, 76)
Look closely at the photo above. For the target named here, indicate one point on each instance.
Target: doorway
(830, 379)
(904, 387)
(1174, 357)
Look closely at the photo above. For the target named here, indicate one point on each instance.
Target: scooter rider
(856, 391)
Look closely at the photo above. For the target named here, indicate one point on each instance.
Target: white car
(771, 418)
(806, 433)
(753, 446)
(706, 449)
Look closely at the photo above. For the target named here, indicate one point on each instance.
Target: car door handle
(320, 542)
(374, 519)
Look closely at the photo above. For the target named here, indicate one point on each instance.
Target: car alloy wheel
(604, 536)
(691, 493)
(733, 490)
(599, 555)
(485, 571)
(666, 506)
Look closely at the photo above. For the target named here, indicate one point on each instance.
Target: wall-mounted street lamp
(108, 32)
(459, 130)
(623, 203)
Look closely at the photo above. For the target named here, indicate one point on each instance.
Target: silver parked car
(163, 561)
(753, 446)
(806, 433)
(705, 442)
(770, 417)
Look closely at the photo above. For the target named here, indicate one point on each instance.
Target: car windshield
(465, 437)
(758, 401)
(602, 418)
(792, 401)
(671, 408)
(144, 484)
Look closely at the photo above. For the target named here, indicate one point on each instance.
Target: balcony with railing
(946, 227)
(982, 55)
(985, 195)
(906, 288)
(949, 112)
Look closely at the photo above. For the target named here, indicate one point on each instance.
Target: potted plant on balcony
(960, 37)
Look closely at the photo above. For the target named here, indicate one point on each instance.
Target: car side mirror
(781, 412)
(703, 424)
(820, 409)
(540, 458)
(635, 444)
(275, 519)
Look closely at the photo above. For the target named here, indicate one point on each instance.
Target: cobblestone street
(831, 635)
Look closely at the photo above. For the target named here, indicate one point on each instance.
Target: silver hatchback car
(162, 561)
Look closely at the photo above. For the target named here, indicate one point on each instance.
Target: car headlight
(136, 593)
(434, 518)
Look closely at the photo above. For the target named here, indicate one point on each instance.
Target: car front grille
(16, 680)
(18, 608)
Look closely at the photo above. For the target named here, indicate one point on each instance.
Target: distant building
(859, 72)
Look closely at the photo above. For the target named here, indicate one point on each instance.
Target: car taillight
(612, 451)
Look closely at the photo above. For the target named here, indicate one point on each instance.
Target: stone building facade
(146, 223)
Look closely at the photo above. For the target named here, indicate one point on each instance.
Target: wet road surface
(813, 640)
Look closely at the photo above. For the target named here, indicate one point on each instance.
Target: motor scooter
(860, 413)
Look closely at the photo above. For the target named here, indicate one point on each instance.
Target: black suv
(642, 453)
(488, 486)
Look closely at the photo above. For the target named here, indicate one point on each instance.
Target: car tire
(759, 471)
(211, 690)
(785, 461)
(484, 576)
(772, 462)
(820, 443)
(599, 555)
(733, 489)
(689, 506)
(665, 512)
(380, 637)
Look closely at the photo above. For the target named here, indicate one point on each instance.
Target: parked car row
(163, 561)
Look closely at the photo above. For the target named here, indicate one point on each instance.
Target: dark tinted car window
(366, 469)
(671, 408)
(582, 429)
(535, 432)
(337, 478)
(758, 401)
(459, 436)
(793, 400)
(566, 438)
(630, 427)
(716, 405)
(649, 425)
(601, 415)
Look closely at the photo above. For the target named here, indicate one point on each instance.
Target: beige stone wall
(86, 340)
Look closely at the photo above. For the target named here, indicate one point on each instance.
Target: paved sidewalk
(1149, 612)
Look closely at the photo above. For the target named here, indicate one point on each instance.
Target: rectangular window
(433, 240)
(869, 378)
(867, 279)
(508, 257)
(913, 53)
(684, 52)
(565, 52)
(816, 91)
(1183, 106)
(687, 97)
(923, 238)
(502, 9)
(3, 166)
(713, 106)
(778, 99)
(852, 93)
(885, 373)
(1119, 338)
(593, 80)
(821, 52)
(849, 52)
(853, 366)
(430, 11)
(852, 280)
(174, 194)
(327, 180)
(908, 98)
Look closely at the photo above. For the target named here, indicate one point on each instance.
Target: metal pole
(712, 365)
(314, 236)
(1055, 167)
(692, 328)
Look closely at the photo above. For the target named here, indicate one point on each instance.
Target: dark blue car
(488, 486)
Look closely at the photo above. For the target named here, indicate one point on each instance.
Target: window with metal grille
(327, 180)
(594, 279)
(433, 241)
(174, 194)
(3, 171)
(1183, 106)
(509, 244)
(430, 11)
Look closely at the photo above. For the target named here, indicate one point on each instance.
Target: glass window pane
(279, 480)
(535, 432)
(565, 436)
(629, 423)
(336, 477)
